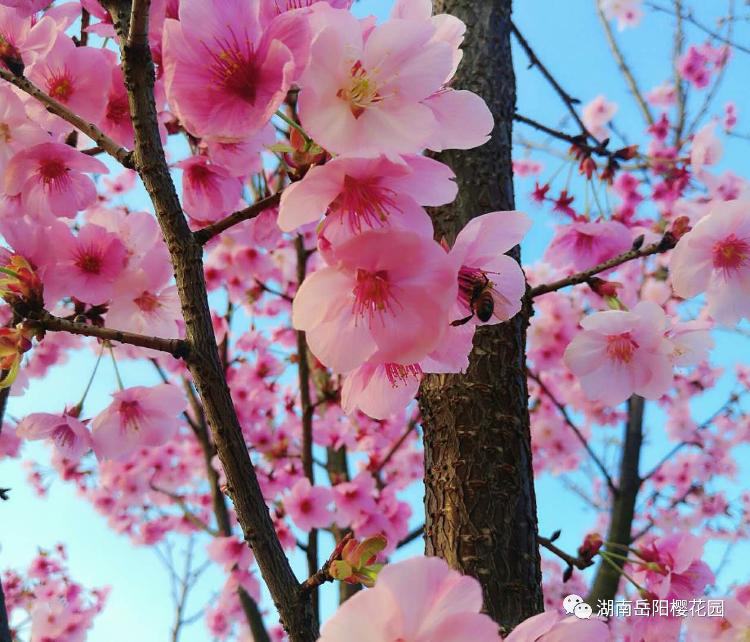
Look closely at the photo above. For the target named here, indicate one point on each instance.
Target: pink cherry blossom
(69, 435)
(628, 13)
(221, 45)
(88, 264)
(618, 354)
(388, 292)
(417, 600)
(479, 255)
(16, 130)
(585, 244)
(380, 390)
(663, 95)
(597, 114)
(137, 417)
(360, 194)
(308, 505)
(73, 76)
(208, 190)
(51, 180)
(365, 96)
(552, 627)
(230, 552)
(714, 257)
(675, 570)
(706, 148)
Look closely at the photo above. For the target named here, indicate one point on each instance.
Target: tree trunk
(623, 506)
(479, 492)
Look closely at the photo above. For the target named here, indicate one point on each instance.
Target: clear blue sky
(567, 36)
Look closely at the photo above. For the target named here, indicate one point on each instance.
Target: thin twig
(92, 131)
(569, 101)
(665, 244)
(623, 66)
(578, 562)
(176, 347)
(205, 234)
(571, 424)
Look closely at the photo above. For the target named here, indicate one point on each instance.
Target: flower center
(63, 436)
(5, 136)
(60, 87)
(305, 506)
(8, 49)
(398, 374)
(362, 91)
(621, 347)
(372, 295)
(89, 263)
(732, 253)
(234, 68)
(130, 412)
(118, 110)
(364, 203)
(147, 302)
(52, 169)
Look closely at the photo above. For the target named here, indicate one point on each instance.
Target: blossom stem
(124, 156)
(91, 378)
(606, 557)
(296, 126)
(117, 370)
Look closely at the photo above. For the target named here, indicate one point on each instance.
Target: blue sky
(568, 37)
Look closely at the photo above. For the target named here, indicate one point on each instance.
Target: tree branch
(176, 347)
(124, 156)
(664, 245)
(571, 424)
(205, 234)
(578, 562)
(204, 362)
(623, 66)
(569, 101)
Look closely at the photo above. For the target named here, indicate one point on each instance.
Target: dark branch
(205, 234)
(664, 245)
(92, 131)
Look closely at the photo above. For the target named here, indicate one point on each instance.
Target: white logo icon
(574, 605)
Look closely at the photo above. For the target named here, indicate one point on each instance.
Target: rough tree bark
(131, 22)
(623, 505)
(479, 492)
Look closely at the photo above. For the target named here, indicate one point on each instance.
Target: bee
(481, 302)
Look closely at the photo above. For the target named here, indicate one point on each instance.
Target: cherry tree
(301, 223)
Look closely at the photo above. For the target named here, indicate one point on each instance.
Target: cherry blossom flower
(16, 130)
(552, 627)
(479, 253)
(69, 435)
(714, 257)
(88, 264)
(628, 13)
(585, 244)
(308, 505)
(137, 417)
(73, 76)
(380, 390)
(388, 292)
(230, 552)
(417, 600)
(249, 67)
(597, 114)
(360, 194)
(366, 96)
(706, 148)
(209, 192)
(50, 178)
(674, 569)
(619, 354)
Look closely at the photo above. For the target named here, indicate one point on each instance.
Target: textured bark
(479, 493)
(623, 505)
(4, 624)
(204, 360)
